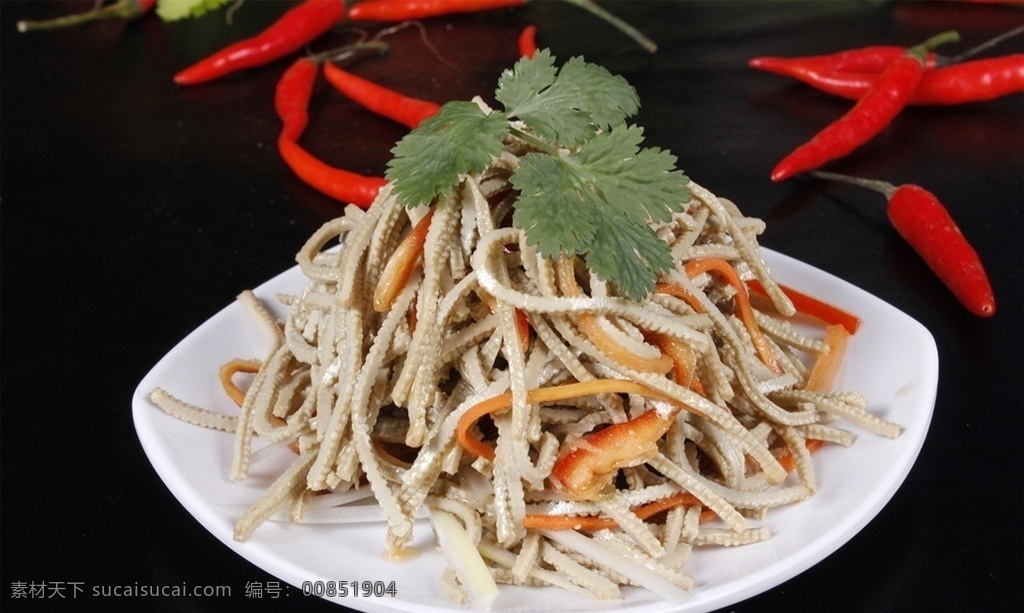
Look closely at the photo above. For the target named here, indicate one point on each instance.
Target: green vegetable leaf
(553, 209)
(599, 203)
(567, 105)
(173, 10)
(628, 255)
(430, 160)
(586, 188)
(638, 184)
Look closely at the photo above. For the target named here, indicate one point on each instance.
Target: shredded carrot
(590, 325)
(746, 312)
(824, 372)
(812, 307)
(229, 370)
(399, 268)
(541, 395)
(523, 328)
(383, 452)
(788, 460)
(684, 360)
(674, 289)
(522, 319)
(590, 523)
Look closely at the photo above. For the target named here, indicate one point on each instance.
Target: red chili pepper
(122, 9)
(400, 10)
(295, 87)
(871, 59)
(294, 29)
(927, 226)
(291, 97)
(342, 185)
(527, 41)
(388, 103)
(973, 81)
(963, 83)
(872, 113)
(291, 101)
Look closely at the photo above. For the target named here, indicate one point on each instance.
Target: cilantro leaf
(173, 10)
(568, 105)
(556, 217)
(638, 184)
(586, 188)
(430, 160)
(599, 203)
(629, 255)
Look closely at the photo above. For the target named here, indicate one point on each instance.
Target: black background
(134, 209)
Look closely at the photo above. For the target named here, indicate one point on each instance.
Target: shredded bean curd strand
(599, 448)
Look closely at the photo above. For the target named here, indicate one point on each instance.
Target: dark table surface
(133, 210)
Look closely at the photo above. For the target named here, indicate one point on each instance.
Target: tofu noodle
(570, 436)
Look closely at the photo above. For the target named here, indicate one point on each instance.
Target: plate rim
(709, 597)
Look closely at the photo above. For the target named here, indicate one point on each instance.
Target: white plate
(892, 359)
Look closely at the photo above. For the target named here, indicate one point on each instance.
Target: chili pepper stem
(988, 44)
(122, 9)
(921, 51)
(340, 53)
(882, 187)
(641, 39)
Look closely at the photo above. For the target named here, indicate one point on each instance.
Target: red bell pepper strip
(872, 113)
(812, 307)
(527, 41)
(927, 226)
(291, 32)
(406, 110)
(585, 469)
(122, 9)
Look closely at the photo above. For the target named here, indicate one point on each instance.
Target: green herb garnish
(173, 10)
(588, 188)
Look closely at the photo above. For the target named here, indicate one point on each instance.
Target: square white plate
(892, 359)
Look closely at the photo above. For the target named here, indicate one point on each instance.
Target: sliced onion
(464, 557)
(635, 571)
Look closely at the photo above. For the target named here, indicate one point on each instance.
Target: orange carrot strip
(522, 319)
(541, 521)
(674, 289)
(523, 328)
(542, 395)
(592, 329)
(824, 372)
(788, 460)
(695, 267)
(684, 360)
(812, 307)
(399, 268)
(229, 370)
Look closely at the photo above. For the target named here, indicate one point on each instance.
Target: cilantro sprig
(588, 188)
